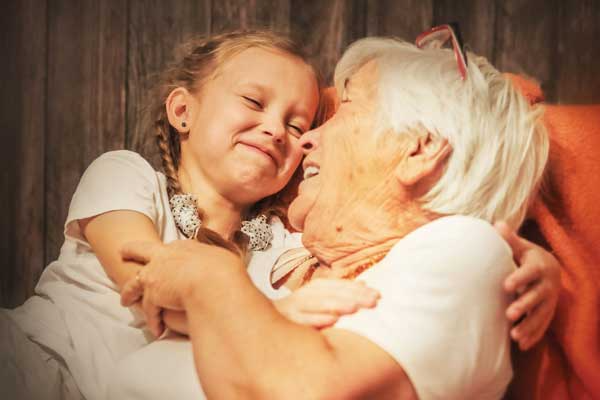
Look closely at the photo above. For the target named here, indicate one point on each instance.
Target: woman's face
(249, 118)
(344, 167)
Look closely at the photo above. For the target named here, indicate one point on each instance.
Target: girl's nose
(275, 128)
(309, 141)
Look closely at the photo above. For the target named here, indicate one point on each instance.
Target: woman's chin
(298, 211)
(295, 216)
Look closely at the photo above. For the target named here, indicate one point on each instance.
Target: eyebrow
(256, 86)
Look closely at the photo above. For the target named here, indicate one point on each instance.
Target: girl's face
(245, 124)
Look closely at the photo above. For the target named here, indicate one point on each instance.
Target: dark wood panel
(22, 116)
(578, 62)
(86, 98)
(527, 45)
(244, 14)
(402, 18)
(156, 29)
(326, 28)
(79, 73)
(476, 19)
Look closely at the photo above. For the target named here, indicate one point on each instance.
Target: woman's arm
(319, 303)
(325, 360)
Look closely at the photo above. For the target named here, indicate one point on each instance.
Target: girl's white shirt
(76, 313)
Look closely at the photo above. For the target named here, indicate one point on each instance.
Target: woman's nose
(309, 141)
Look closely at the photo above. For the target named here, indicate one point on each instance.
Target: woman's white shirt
(441, 315)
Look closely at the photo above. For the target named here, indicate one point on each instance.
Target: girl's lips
(259, 150)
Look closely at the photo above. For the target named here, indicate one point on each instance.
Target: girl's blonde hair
(200, 59)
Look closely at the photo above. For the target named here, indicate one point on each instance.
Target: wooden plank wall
(76, 73)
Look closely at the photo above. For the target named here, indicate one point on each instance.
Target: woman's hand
(321, 302)
(536, 283)
(169, 276)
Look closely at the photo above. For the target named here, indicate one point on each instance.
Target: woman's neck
(217, 212)
(353, 244)
(361, 259)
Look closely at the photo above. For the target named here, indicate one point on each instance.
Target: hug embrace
(407, 280)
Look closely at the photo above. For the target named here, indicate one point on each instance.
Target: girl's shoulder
(122, 169)
(123, 158)
(117, 180)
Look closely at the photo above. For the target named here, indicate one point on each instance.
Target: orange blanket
(566, 363)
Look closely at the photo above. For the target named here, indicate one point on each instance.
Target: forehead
(266, 64)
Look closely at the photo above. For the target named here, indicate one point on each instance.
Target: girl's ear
(178, 107)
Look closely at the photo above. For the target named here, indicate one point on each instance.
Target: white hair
(499, 143)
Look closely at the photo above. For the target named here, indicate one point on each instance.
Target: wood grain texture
(401, 18)
(77, 74)
(326, 28)
(577, 64)
(22, 110)
(86, 98)
(526, 40)
(156, 29)
(246, 14)
(476, 19)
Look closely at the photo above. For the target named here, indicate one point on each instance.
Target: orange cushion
(565, 364)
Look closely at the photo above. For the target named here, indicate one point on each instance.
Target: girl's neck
(217, 212)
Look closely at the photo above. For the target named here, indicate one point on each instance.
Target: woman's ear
(178, 109)
(424, 159)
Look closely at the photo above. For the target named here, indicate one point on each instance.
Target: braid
(167, 145)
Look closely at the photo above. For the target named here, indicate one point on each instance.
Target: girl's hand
(321, 302)
(537, 285)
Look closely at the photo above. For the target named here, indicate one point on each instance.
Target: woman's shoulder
(456, 245)
(462, 232)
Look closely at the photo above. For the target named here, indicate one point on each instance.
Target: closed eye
(297, 129)
(254, 102)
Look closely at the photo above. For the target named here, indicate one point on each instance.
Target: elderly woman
(421, 156)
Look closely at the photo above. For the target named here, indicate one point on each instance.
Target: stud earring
(183, 124)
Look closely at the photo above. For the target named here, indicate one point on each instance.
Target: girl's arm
(536, 286)
(107, 233)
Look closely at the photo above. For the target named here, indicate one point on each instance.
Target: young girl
(227, 117)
